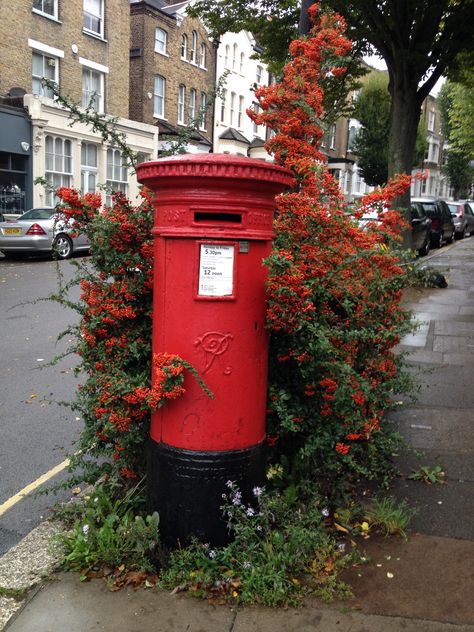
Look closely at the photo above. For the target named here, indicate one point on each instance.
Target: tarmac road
(36, 433)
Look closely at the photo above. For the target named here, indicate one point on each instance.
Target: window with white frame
(226, 56)
(352, 136)
(161, 40)
(332, 136)
(256, 109)
(234, 57)
(192, 56)
(431, 120)
(93, 83)
(58, 162)
(433, 153)
(242, 61)
(258, 74)
(232, 108)
(202, 55)
(89, 167)
(192, 105)
(223, 105)
(117, 173)
(240, 116)
(93, 21)
(181, 102)
(44, 67)
(184, 46)
(202, 111)
(159, 97)
(46, 7)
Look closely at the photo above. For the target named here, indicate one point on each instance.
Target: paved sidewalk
(423, 584)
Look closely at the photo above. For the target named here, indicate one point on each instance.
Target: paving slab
(429, 578)
(74, 606)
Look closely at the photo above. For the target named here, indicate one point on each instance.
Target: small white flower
(250, 512)
(325, 512)
(85, 529)
(257, 491)
(236, 500)
(229, 484)
(247, 564)
(341, 547)
(212, 554)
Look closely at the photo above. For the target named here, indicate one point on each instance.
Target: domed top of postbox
(211, 194)
(158, 173)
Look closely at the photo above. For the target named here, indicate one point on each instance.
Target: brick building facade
(83, 47)
(172, 70)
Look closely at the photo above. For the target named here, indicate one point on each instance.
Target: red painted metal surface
(212, 228)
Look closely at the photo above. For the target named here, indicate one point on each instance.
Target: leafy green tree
(419, 41)
(372, 109)
(457, 121)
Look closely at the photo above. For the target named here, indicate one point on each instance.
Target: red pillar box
(212, 228)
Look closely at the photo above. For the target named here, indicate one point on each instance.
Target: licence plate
(12, 231)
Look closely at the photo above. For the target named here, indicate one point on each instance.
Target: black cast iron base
(185, 487)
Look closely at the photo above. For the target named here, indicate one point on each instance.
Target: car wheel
(437, 241)
(450, 239)
(425, 249)
(62, 247)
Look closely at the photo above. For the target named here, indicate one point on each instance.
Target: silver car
(41, 230)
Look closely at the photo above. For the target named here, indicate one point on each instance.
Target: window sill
(158, 52)
(52, 18)
(160, 118)
(95, 35)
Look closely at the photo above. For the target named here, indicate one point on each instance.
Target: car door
(419, 226)
(446, 221)
(469, 215)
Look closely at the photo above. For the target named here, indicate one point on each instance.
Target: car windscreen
(37, 213)
(454, 209)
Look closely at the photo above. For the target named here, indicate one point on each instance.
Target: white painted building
(234, 132)
(75, 156)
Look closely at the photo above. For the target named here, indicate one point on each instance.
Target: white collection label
(216, 270)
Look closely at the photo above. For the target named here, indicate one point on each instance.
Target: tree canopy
(420, 40)
(372, 110)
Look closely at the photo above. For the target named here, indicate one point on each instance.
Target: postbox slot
(219, 218)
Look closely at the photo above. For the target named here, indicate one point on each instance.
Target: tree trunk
(304, 26)
(405, 116)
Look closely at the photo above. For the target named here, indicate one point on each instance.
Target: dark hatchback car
(442, 225)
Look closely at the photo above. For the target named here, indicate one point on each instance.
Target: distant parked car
(463, 218)
(442, 225)
(41, 230)
(420, 228)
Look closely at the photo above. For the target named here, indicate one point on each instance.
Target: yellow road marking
(8, 504)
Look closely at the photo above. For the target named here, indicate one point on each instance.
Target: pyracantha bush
(334, 290)
(334, 293)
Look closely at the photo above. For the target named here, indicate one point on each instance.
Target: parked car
(442, 225)
(463, 218)
(41, 230)
(420, 228)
